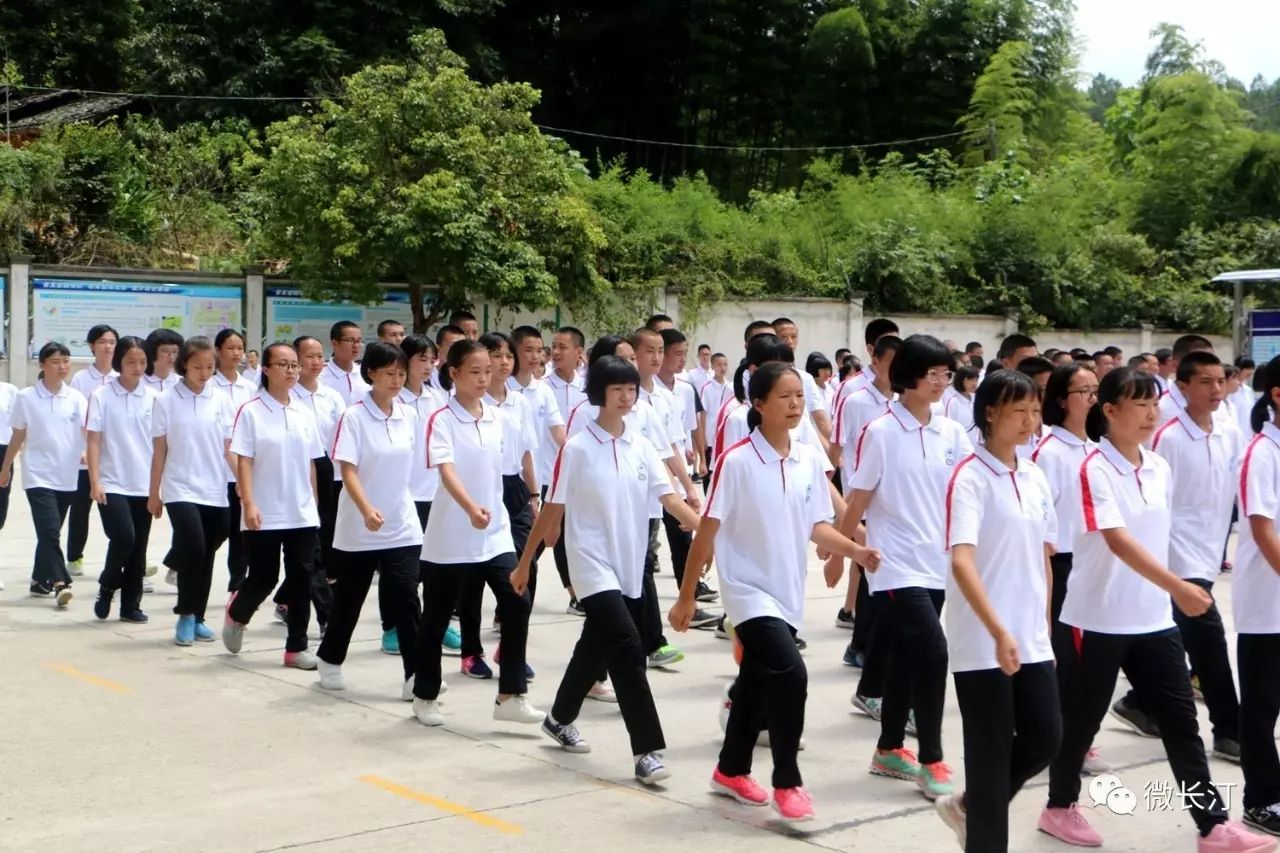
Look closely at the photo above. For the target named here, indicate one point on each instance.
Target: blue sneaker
(185, 635)
(852, 658)
(102, 606)
(475, 667)
(529, 674)
(452, 643)
(390, 642)
(203, 633)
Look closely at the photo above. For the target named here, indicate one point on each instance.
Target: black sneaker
(135, 616)
(705, 593)
(1226, 749)
(1134, 718)
(722, 630)
(102, 606)
(1265, 819)
(282, 614)
(575, 608)
(566, 735)
(800, 643)
(703, 619)
(844, 619)
(40, 589)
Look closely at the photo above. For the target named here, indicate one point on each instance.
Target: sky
(1244, 35)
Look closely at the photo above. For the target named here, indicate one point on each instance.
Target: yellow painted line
(105, 683)
(443, 805)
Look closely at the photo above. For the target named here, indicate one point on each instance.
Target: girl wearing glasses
(903, 461)
(229, 349)
(276, 441)
(1069, 396)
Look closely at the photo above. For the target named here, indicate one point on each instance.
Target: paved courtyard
(111, 738)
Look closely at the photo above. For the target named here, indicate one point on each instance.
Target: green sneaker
(935, 780)
(390, 642)
(75, 568)
(452, 643)
(896, 763)
(666, 656)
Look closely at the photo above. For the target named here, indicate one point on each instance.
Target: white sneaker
(150, 570)
(75, 568)
(602, 692)
(517, 710)
(62, 596)
(148, 586)
(444, 688)
(427, 711)
(331, 675)
(1094, 765)
(171, 577)
(301, 660)
(406, 690)
(1, 586)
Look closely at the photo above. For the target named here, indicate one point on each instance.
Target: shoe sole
(892, 774)
(792, 820)
(726, 791)
(848, 626)
(178, 642)
(527, 722)
(453, 653)
(429, 723)
(303, 668)
(389, 652)
(707, 598)
(135, 621)
(233, 643)
(1129, 724)
(205, 639)
(1233, 759)
(63, 598)
(655, 777)
(1063, 840)
(476, 676)
(611, 699)
(704, 623)
(1265, 830)
(581, 749)
(865, 710)
(932, 796)
(949, 818)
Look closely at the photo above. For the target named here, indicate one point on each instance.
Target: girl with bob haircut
(1118, 602)
(48, 422)
(902, 464)
(770, 495)
(469, 533)
(1000, 529)
(118, 451)
(191, 436)
(162, 347)
(604, 478)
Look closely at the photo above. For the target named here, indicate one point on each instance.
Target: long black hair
(458, 352)
(762, 382)
(761, 350)
(1267, 379)
(1121, 383)
(1001, 387)
(1054, 411)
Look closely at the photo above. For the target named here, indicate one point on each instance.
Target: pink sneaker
(1069, 825)
(744, 789)
(1231, 837)
(794, 805)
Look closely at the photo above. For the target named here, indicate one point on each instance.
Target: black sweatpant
(770, 691)
(1157, 669)
(1205, 640)
(558, 552)
(917, 676)
(444, 580)
(678, 541)
(237, 559)
(127, 523)
(323, 567)
(878, 651)
(263, 548)
(198, 532)
(4, 492)
(1012, 729)
(1061, 636)
(399, 576)
(611, 640)
(515, 498)
(650, 625)
(78, 528)
(1259, 707)
(48, 511)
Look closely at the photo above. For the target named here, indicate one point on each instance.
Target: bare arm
(16, 441)
(244, 477)
(547, 521)
(159, 454)
(93, 460)
(700, 552)
(673, 504)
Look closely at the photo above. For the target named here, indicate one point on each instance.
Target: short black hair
(841, 352)
(918, 355)
(886, 345)
(1035, 365)
(878, 328)
(1163, 354)
(1193, 361)
(225, 335)
(1139, 360)
(251, 352)
(1013, 343)
(378, 355)
(716, 355)
(51, 349)
(96, 332)
(387, 324)
(1245, 363)
(336, 330)
(414, 344)
(1113, 351)
(655, 319)
(159, 338)
(755, 327)
(604, 345)
(493, 342)
(267, 354)
(702, 347)
(579, 339)
(609, 370)
(671, 337)
(849, 364)
(972, 345)
(521, 333)
(191, 346)
(963, 374)
(762, 382)
(448, 329)
(816, 362)
(460, 315)
(1001, 387)
(1191, 343)
(784, 321)
(302, 339)
(1100, 353)
(123, 346)
(761, 350)
(644, 332)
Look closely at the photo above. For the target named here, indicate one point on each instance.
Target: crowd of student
(1071, 509)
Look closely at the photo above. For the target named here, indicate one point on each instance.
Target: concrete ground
(111, 737)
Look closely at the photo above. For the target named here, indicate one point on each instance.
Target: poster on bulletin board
(290, 314)
(1264, 334)
(64, 310)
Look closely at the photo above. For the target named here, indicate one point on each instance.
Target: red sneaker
(1069, 825)
(794, 805)
(744, 789)
(1231, 837)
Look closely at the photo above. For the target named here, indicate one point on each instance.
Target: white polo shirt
(699, 376)
(253, 374)
(907, 466)
(607, 486)
(566, 394)
(853, 383)
(1059, 455)
(642, 419)
(159, 385)
(196, 429)
(1255, 592)
(282, 441)
(1172, 401)
(382, 448)
(546, 414)
(858, 409)
(89, 380)
(1104, 594)
(238, 392)
(767, 506)
(960, 409)
(731, 405)
(123, 418)
(326, 407)
(55, 436)
(8, 399)
(1203, 467)
(813, 399)
(474, 447)
(714, 395)
(424, 481)
(665, 407)
(684, 415)
(735, 429)
(518, 434)
(349, 385)
(1007, 515)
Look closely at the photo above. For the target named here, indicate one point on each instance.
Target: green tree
(422, 173)
(1003, 100)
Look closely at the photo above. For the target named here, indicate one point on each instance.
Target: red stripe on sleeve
(431, 422)
(862, 436)
(555, 472)
(337, 434)
(1244, 477)
(715, 478)
(1155, 439)
(1086, 495)
(1035, 454)
(951, 487)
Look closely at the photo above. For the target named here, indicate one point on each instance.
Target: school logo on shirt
(949, 457)
(642, 475)
(1044, 509)
(808, 493)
